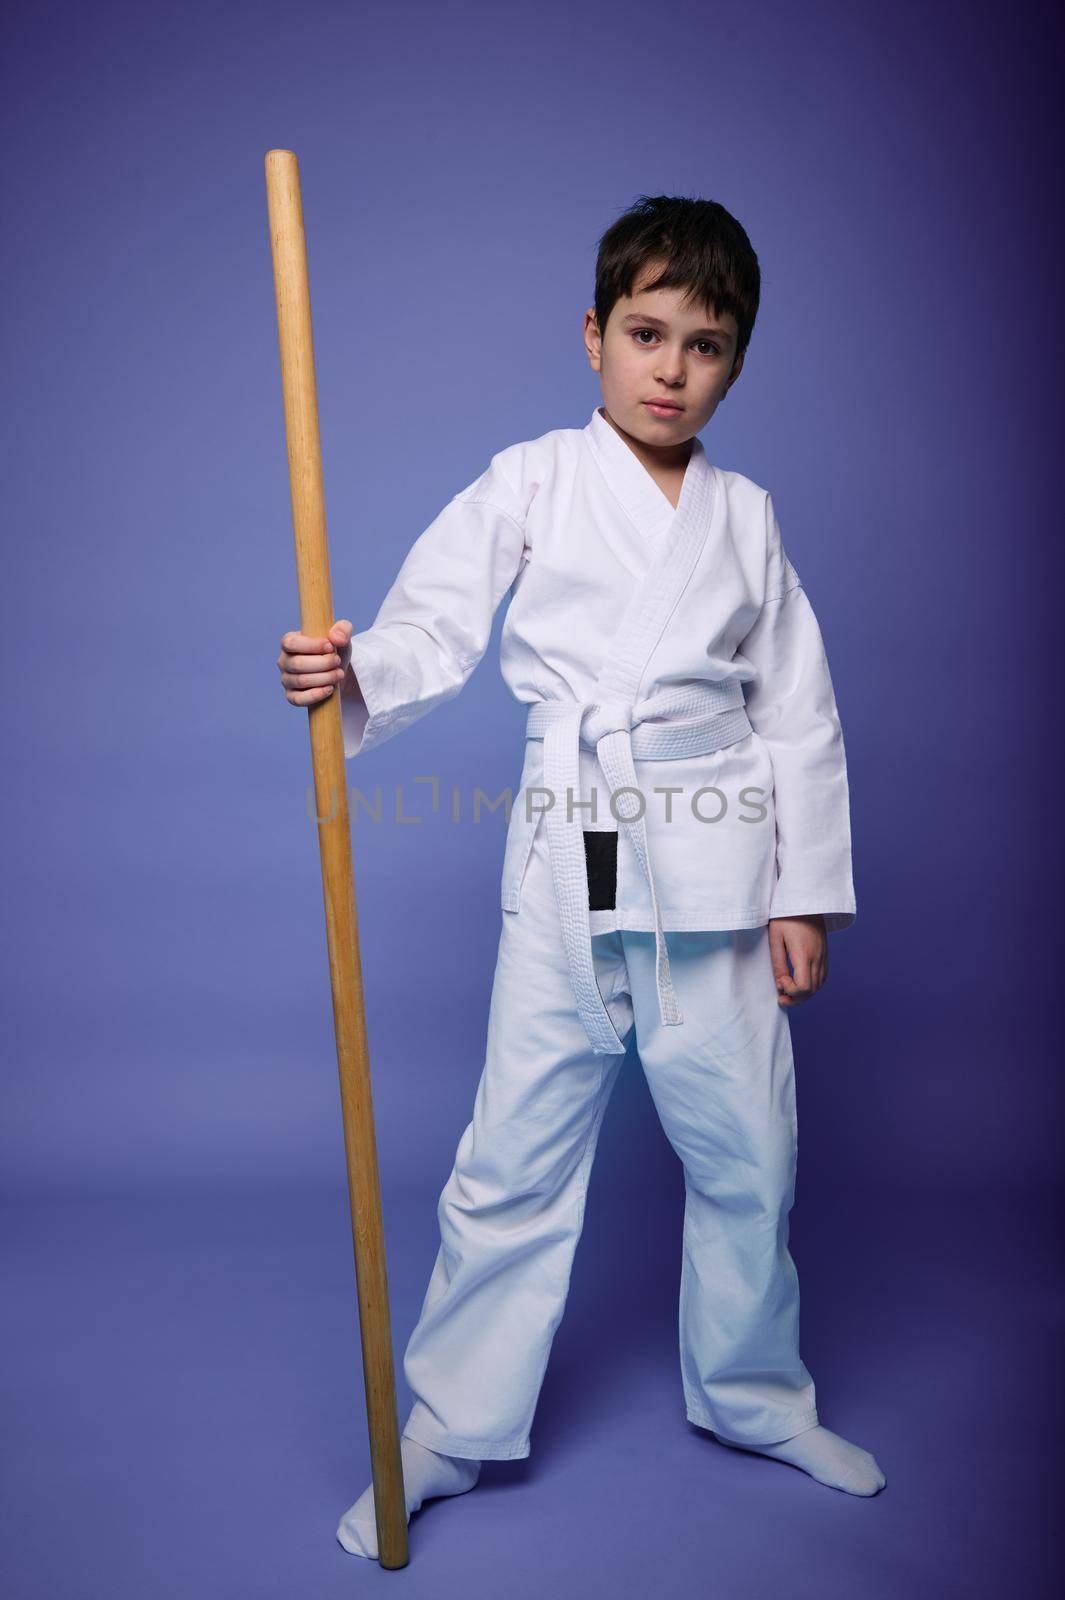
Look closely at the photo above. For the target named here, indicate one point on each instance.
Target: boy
(684, 776)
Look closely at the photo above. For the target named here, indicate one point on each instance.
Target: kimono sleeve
(792, 707)
(434, 623)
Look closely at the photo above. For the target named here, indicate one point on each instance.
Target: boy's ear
(592, 341)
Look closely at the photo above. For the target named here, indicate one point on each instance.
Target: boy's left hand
(803, 939)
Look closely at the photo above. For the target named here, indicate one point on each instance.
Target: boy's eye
(638, 333)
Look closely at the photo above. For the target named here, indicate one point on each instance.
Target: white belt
(701, 718)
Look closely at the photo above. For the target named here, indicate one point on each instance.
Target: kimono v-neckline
(679, 536)
(643, 501)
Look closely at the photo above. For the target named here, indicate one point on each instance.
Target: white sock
(825, 1456)
(425, 1475)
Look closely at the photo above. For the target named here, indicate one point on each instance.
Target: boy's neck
(666, 464)
(659, 460)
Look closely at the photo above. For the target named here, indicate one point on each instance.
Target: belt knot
(609, 716)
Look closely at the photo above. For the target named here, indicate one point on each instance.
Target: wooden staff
(292, 291)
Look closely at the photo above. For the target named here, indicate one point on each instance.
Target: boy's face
(657, 346)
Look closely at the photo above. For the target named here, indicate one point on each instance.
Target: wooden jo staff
(289, 247)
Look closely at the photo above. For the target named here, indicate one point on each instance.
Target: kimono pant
(512, 1209)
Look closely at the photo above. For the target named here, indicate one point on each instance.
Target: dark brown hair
(703, 248)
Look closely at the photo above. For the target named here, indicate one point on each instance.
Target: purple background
(183, 1392)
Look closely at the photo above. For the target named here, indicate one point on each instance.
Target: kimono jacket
(679, 694)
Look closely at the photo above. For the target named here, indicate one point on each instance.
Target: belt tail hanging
(569, 873)
(615, 757)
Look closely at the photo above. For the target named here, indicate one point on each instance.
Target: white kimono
(672, 652)
(657, 650)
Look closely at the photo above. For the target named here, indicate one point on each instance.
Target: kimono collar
(644, 503)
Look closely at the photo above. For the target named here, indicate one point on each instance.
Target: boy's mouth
(663, 408)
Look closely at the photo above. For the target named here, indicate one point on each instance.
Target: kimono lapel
(678, 538)
(629, 482)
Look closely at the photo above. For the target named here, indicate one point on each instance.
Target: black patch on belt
(601, 859)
